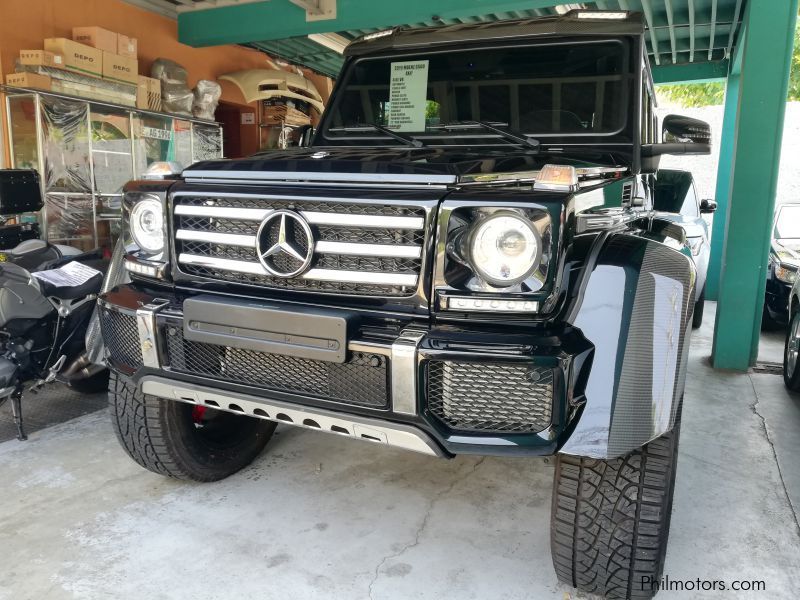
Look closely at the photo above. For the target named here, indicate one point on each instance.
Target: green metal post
(766, 57)
(723, 185)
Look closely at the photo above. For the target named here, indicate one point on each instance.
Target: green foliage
(694, 95)
(794, 78)
(431, 110)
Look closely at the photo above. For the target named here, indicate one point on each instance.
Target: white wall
(704, 168)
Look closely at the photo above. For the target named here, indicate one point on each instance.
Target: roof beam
(736, 14)
(276, 19)
(317, 10)
(671, 26)
(713, 25)
(648, 16)
(701, 72)
(691, 30)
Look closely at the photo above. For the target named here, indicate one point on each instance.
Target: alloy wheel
(793, 345)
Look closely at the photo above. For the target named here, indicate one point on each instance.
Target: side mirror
(708, 206)
(677, 129)
(681, 136)
(305, 135)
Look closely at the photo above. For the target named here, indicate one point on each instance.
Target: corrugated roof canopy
(679, 31)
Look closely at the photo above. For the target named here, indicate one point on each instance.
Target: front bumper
(439, 390)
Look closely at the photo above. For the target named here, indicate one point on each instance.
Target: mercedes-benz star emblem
(280, 246)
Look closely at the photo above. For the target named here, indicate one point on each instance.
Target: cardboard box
(127, 46)
(77, 57)
(141, 92)
(120, 68)
(148, 96)
(96, 37)
(41, 58)
(29, 80)
(153, 85)
(149, 84)
(94, 92)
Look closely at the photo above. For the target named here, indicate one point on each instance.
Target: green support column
(723, 185)
(766, 57)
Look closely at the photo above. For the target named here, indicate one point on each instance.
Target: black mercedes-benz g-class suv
(464, 260)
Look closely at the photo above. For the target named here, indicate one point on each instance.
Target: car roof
(569, 24)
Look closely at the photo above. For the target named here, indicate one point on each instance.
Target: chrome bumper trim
(404, 371)
(148, 331)
(361, 428)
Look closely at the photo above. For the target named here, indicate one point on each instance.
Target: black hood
(389, 161)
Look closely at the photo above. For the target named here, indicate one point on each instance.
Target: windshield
(787, 225)
(556, 90)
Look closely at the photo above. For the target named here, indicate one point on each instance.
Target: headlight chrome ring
(505, 248)
(146, 224)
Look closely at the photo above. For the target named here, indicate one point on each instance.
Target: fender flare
(636, 308)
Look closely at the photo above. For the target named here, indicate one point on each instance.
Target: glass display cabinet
(85, 151)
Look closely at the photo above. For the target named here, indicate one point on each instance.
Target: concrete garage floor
(322, 517)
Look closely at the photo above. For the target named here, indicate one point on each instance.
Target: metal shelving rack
(278, 128)
(67, 201)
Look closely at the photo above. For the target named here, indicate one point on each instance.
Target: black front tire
(610, 519)
(791, 372)
(165, 436)
(699, 308)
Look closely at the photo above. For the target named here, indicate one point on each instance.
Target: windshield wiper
(507, 135)
(406, 139)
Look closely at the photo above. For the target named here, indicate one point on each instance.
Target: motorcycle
(47, 299)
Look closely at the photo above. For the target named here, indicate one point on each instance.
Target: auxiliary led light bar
(604, 15)
(143, 269)
(491, 305)
(377, 34)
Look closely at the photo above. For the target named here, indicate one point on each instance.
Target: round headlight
(147, 225)
(505, 249)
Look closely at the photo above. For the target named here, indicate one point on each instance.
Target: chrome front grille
(374, 248)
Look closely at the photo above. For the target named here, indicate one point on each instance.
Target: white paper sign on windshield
(408, 93)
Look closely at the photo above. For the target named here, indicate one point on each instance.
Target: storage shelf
(13, 90)
(109, 162)
(98, 151)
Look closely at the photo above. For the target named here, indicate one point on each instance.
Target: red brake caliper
(198, 412)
